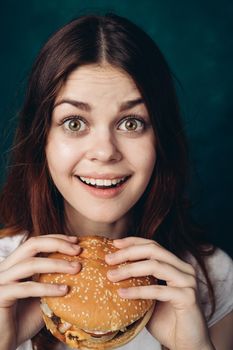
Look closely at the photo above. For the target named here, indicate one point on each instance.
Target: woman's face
(101, 145)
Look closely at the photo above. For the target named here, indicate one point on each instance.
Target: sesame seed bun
(92, 315)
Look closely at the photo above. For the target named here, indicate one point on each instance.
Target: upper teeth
(101, 182)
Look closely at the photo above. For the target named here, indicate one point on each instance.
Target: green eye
(132, 124)
(74, 125)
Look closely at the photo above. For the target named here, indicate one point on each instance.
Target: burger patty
(66, 326)
(57, 321)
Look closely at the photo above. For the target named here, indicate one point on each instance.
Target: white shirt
(220, 269)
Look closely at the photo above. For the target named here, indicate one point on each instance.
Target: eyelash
(125, 119)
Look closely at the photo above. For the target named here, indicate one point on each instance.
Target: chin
(107, 213)
(92, 315)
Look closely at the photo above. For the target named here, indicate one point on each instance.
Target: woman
(99, 150)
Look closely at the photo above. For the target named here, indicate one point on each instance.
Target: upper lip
(109, 176)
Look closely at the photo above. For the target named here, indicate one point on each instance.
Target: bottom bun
(72, 338)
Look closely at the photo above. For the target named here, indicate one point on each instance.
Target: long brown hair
(29, 199)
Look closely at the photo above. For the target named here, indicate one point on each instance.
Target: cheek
(148, 158)
(143, 157)
(145, 166)
(61, 156)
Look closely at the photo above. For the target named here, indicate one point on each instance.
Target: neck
(78, 225)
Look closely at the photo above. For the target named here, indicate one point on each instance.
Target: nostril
(104, 150)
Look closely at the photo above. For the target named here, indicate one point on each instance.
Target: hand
(177, 321)
(20, 315)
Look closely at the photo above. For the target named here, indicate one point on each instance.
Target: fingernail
(72, 238)
(75, 264)
(62, 287)
(117, 241)
(122, 292)
(112, 273)
(76, 247)
(110, 257)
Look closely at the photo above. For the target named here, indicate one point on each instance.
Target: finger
(149, 251)
(40, 244)
(162, 271)
(180, 298)
(11, 292)
(32, 266)
(62, 236)
(129, 241)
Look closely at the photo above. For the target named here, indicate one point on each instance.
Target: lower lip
(104, 192)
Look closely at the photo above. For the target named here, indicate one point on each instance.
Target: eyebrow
(87, 107)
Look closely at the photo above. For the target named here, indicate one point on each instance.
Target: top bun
(92, 302)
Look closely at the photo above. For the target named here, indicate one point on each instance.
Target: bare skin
(177, 321)
(20, 315)
(104, 143)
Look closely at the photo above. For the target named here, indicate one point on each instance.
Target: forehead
(93, 81)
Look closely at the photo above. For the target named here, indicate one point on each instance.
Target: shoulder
(219, 266)
(10, 243)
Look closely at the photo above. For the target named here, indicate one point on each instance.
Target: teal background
(197, 40)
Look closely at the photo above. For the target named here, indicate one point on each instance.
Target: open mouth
(103, 183)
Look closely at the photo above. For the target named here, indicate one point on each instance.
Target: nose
(103, 147)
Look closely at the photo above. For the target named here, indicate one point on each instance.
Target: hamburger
(92, 315)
